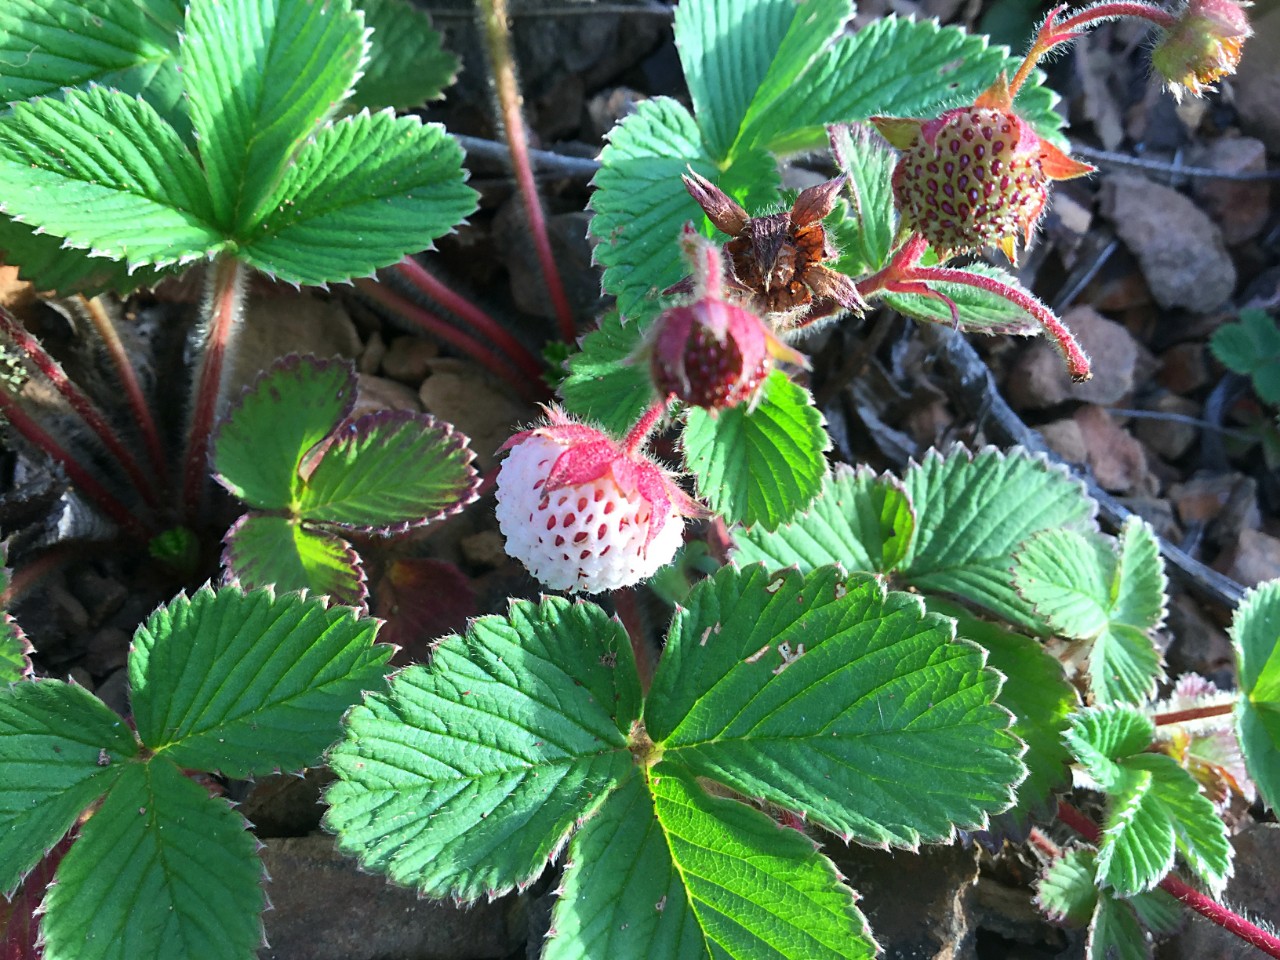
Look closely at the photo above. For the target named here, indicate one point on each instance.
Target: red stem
(441, 293)
(83, 480)
(497, 31)
(226, 300)
(1193, 713)
(106, 328)
(628, 610)
(530, 389)
(85, 408)
(1232, 922)
(638, 434)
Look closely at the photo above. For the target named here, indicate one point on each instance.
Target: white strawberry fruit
(584, 512)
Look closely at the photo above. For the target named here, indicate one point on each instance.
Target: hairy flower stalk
(585, 512)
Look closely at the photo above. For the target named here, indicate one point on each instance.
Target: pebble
(1118, 461)
(1039, 378)
(1241, 208)
(1172, 437)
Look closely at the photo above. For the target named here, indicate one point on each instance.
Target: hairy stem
(78, 400)
(638, 434)
(106, 328)
(531, 389)
(80, 476)
(1193, 713)
(225, 304)
(485, 325)
(496, 27)
(1210, 909)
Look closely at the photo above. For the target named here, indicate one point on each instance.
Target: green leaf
(640, 204)
(389, 471)
(407, 65)
(972, 510)
(1115, 934)
(979, 310)
(54, 739)
(360, 195)
(682, 874)
(104, 170)
(469, 775)
(1066, 891)
(15, 652)
(1115, 600)
(1155, 807)
(864, 157)
(726, 49)
(608, 384)
(279, 552)
(858, 520)
(1256, 634)
(1038, 695)
(262, 441)
(813, 29)
(826, 696)
(892, 66)
(1158, 911)
(260, 77)
(160, 870)
(759, 466)
(1252, 347)
(213, 674)
(48, 264)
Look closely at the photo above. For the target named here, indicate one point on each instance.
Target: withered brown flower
(778, 261)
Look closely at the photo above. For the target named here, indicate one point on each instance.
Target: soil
(1144, 260)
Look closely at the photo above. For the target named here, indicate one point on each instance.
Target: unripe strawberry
(976, 176)
(709, 352)
(1203, 46)
(582, 512)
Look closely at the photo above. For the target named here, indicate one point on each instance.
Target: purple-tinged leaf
(422, 599)
(267, 551)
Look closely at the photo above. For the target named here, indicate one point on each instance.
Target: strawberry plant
(291, 450)
(233, 682)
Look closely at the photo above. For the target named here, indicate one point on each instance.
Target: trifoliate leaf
(1155, 807)
(268, 551)
(972, 511)
(389, 471)
(726, 48)
(681, 874)
(640, 204)
(1256, 633)
(763, 465)
(868, 162)
(261, 443)
(980, 311)
(858, 520)
(104, 170)
(1066, 891)
(1115, 600)
(470, 774)
(160, 870)
(360, 195)
(407, 65)
(46, 45)
(260, 77)
(15, 652)
(212, 672)
(60, 749)
(608, 383)
(1252, 346)
(1038, 695)
(825, 696)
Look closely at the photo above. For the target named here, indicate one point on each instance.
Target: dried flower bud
(1204, 45)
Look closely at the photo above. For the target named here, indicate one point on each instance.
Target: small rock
(1199, 645)
(1184, 368)
(326, 908)
(571, 249)
(607, 108)
(1158, 512)
(1065, 438)
(1118, 461)
(375, 348)
(1241, 207)
(106, 650)
(378, 393)
(1168, 436)
(1255, 557)
(288, 323)
(1206, 497)
(1039, 378)
(1257, 83)
(485, 549)
(460, 394)
(1178, 247)
(408, 359)
(285, 805)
